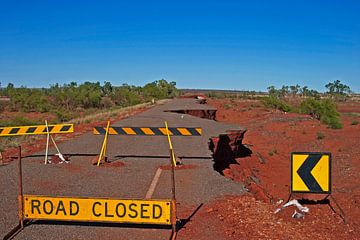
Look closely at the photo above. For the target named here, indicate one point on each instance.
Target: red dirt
(272, 136)
(349, 107)
(34, 116)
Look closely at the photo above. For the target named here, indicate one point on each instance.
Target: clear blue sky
(242, 45)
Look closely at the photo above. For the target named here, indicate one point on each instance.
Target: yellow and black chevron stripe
(149, 131)
(35, 130)
(310, 172)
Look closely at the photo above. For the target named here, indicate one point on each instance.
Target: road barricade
(47, 129)
(87, 209)
(143, 131)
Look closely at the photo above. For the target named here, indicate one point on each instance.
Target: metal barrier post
(20, 225)
(20, 196)
(47, 142)
(173, 197)
(103, 148)
(172, 154)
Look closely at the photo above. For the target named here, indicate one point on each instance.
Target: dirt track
(136, 160)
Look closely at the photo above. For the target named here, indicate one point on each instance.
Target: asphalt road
(142, 156)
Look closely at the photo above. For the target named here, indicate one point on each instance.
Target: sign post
(18, 228)
(173, 193)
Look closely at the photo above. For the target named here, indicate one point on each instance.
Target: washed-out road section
(142, 157)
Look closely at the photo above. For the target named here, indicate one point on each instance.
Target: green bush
(277, 103)
(323, 110)
(2, 106)
(64, 115)
(320, 135)
(66, 99)
(355, 122)
(126, 95)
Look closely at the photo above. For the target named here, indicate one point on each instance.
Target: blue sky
(242, 45)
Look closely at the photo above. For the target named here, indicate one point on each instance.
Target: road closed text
(99, 209)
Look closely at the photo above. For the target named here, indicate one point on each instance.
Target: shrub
(277, 103)
(272, 152)
(355, 122)
(2, 106)
(320, 135)
(64, 115)
(227, 106)
(323, 110)
(106, 102)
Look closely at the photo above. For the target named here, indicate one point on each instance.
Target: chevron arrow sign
(310, 172)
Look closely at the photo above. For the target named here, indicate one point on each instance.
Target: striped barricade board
(149, 131)
(36, 130)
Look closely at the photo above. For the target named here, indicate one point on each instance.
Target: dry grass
(113, 113)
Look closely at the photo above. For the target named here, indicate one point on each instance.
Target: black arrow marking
(305, 172)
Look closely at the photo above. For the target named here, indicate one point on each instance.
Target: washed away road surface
(140, 176)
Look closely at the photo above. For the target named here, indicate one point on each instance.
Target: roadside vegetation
(71, 100)
(83, 103)
(298, 99)
(321, 106)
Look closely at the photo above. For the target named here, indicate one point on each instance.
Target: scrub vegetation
(74, 100)
(321, 106)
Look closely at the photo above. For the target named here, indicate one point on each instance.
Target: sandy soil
(272, 136)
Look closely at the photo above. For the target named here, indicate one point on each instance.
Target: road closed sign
(97, 209)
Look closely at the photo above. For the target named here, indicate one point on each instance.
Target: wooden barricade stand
(21, 224)
(48, 137)
(142, 131)
(102, 155)
(173, 187)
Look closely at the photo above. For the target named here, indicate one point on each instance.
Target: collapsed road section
(194, 108)
(141, 158)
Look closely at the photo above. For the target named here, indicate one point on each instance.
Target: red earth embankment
(271, 136)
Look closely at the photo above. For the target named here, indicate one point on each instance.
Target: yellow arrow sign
(97, 209)
(311, 172)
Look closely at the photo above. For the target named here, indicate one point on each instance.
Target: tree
(295, 89)
(338, 90)
(305, 91)
(272, 91)
(107, 89)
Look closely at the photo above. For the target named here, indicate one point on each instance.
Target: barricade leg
(20, 226)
